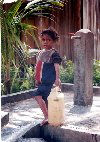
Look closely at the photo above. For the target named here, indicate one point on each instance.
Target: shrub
(67, 72)
(24, 82)
(21, 79)
(96, 73)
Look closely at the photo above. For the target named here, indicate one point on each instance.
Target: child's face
(47, 41)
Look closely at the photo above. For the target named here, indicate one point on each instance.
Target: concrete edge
(68, 134)
(34, 132)
(16, 97)
(70, 87)
(4, 118)
(23, 95)
(61, 134)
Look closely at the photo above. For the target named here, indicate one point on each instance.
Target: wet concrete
(81, 123)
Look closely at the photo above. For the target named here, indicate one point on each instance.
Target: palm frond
(25, 26)
(36, 3)
(11, 13)
(39, 5)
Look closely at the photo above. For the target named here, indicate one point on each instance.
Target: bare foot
(45, 121)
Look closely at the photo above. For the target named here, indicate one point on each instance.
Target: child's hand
(58, 82)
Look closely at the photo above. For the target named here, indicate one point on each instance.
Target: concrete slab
(31, 140)
(80, 122)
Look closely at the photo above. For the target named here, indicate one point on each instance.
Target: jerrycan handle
(56, 90)
(54, 93)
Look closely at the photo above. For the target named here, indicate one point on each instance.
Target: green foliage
(16, 86)
(96, 73)
(2, 89)
(26, 82)
(67, 72)
(21, 80)
(21, 85)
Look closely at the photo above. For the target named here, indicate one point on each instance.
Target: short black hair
(51, 32)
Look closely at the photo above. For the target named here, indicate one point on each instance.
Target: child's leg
(46, 101)
(43, 107)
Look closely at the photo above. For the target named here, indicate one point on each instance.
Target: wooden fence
(65, 21)
(91, 20)
(76, 14)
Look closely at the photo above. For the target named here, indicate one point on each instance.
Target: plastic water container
(56, 107)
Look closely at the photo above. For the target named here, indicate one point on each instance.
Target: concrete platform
(31, 140)
(82, 124)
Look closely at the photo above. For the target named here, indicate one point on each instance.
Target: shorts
(43, 90)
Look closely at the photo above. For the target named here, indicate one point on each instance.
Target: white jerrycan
(56, 107)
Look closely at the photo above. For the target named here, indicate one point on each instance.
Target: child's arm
(57, 81)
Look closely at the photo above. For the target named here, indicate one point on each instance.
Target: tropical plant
(67, 72)
(25, 83)
(11, 27)
(14, 52)
(96, 73)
